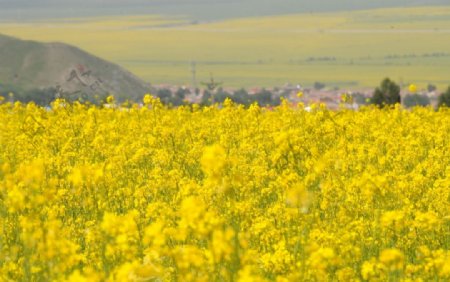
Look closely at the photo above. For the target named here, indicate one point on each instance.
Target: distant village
(331, 97)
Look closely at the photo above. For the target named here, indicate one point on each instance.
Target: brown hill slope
(33, 65)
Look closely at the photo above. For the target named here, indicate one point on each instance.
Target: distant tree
(42, 97)
(387, 94)
(416, 100)
(319, 85)
(431, 88)
(6, 90)
(165, 95)
(263, 98)
(221, 95)
(241, 97)
(181, 93)
(212, 86)
(444, 99)
(206, 98)
(276, 101)
(179, 96)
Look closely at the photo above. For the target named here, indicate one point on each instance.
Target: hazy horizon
(245, 43)
(21, 10)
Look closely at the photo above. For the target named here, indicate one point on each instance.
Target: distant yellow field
(349, 50)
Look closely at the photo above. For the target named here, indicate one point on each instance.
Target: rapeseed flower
(223, 193)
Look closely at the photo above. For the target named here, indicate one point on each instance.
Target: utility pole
(212, 87)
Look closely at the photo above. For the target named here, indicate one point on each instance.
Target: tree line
(388, 93)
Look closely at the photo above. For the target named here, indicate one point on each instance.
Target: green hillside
(27, 65)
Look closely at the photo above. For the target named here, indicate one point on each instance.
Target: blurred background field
(341, 49)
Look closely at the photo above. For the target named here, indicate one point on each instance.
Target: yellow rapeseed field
(147, 193)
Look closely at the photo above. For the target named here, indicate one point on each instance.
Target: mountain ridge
(194, 9)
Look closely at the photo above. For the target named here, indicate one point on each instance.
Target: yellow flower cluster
(147, 193)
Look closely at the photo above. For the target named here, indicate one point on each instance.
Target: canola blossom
(147, 193)
(412, 88)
